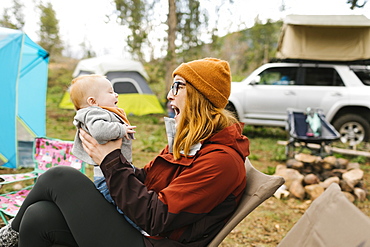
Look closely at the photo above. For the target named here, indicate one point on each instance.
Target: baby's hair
(83, 87)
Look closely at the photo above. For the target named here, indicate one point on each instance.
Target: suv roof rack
(297, 60)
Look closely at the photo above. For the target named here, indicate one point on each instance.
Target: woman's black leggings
(65, 208)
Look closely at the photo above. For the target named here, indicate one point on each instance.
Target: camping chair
(259, 187)
(298, 127)
(331, 220)
(48, 152)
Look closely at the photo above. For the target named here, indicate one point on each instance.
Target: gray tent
(129, 80)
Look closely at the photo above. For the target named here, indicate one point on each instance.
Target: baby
(97, 113)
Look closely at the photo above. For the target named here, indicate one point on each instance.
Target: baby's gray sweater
(104, 126)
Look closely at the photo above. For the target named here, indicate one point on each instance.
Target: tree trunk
(171, 55)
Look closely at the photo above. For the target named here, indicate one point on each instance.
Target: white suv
(342, 92)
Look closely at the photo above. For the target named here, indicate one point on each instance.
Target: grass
(265, 226)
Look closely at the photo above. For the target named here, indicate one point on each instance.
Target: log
(330, 149)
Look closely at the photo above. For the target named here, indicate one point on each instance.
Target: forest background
(184, 30)
(245, 50)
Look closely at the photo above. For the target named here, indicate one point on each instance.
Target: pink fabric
(49, 153)
(10, 203)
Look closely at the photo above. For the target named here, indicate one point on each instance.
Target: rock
(307, 169)
(361, 185)
(317, 168)
(349, 196)
(297, 190)
(281, 192)
(345, 186)
(360, 194)
(280, 168)
(330, 160)
(314, 191)
(353, 177)
(352, 166)
(327, 166)
(339, 172)
(307, 158)
(289, 175)
(327, 182)
(341, 163)
(311, 179)
(289, 163)
(303, 176)
(327, 174)
(294, 164)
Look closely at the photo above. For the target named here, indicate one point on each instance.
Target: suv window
(279, 76)
(321, 77)
(364, 76)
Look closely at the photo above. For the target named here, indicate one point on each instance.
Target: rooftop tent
(325, 37)
(129, 80)
(23, 82)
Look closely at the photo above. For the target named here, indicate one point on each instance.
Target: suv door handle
(289, 92)
(335, 94)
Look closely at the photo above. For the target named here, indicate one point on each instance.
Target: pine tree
(49, 31)
(13, 17)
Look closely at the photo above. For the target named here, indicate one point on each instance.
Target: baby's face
(106, 95)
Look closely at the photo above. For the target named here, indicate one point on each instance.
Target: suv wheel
(230, 107)
(353, 129)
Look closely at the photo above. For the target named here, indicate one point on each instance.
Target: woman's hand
(95, 150)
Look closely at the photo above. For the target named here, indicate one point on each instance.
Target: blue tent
(23, 82)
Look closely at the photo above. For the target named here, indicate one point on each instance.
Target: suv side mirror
(256, 80)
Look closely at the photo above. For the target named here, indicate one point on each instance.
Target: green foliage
(262, 42)
(138, 16)
(355, 4)
(190, 20)
(133, 14)
(59, 121)
(279, 154)
(271, 170)
(360, 159)
(15, 19)
(156, 71)
(246, 49)
(256, 131)
(152, 141)
(253, 157)
(49, 31)
(238, 78)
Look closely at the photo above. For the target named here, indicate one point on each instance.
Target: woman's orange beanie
(210, 76)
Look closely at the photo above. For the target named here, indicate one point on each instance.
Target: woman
(181, 198)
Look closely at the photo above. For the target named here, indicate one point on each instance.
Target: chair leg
(289, 149)
(3, 218)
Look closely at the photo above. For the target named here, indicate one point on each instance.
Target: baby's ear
(91, 101)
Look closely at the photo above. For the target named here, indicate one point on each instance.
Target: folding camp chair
(259, 187)
(298, 127)
(48, 152)
(331, 220)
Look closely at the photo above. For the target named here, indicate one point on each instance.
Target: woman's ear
(91, 101)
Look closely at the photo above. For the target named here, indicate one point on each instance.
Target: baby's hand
(130, 131)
